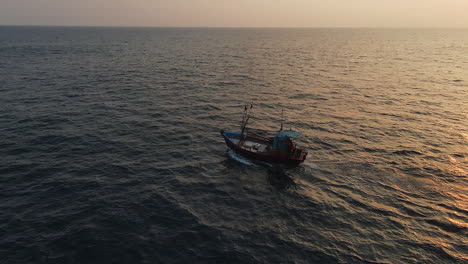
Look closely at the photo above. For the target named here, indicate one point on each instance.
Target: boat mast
(245, 118)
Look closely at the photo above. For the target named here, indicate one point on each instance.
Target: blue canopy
(288, 133)
(281, 139)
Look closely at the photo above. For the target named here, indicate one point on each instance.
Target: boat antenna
(282, 119)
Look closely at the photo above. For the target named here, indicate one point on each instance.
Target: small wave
(233, 155)
(407, 152)
(375, 150)
(306, 96)
(449, 226)
(312, 165)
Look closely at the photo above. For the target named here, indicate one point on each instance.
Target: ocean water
(110, 148)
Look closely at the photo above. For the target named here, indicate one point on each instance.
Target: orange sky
(237, 13)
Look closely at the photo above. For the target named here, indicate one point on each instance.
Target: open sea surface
(110, 149)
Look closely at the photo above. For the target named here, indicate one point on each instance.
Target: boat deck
(254, 145)
(251, 144)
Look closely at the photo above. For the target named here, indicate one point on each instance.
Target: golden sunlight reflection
(458, 222)
(460, 198)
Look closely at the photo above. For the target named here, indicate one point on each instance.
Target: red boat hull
(267, 157)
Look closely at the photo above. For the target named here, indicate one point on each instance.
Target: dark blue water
(110, 148)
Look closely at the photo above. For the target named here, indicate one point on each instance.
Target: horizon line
(236, 27)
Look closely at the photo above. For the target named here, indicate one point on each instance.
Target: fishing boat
(278, 149)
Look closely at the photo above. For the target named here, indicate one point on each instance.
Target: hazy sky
(237, 13)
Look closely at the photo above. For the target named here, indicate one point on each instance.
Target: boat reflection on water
(279, 178)
(277, 174)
